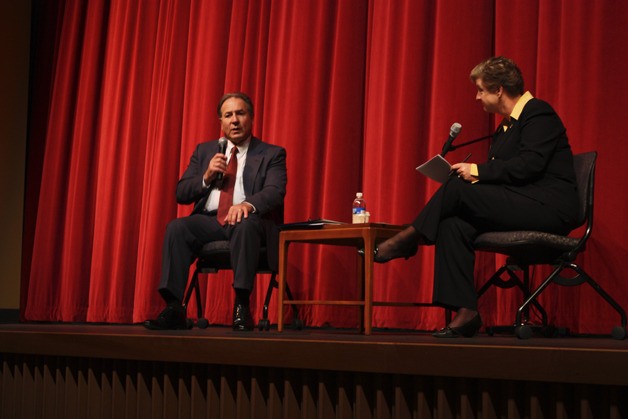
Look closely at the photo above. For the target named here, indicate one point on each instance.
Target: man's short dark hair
(238, 95)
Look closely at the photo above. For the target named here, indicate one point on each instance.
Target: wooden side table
(357, 235)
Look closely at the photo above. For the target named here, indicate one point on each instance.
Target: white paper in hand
(436, 168)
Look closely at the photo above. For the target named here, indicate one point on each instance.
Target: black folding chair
(215, 256)
(527, 248)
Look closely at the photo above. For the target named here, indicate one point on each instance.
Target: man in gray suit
(249, 221)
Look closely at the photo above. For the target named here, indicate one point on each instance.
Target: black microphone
(453, 133)
(486, 137)
(222, 148)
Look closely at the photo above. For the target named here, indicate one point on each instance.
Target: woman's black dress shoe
(381, 259)
(467, 330)
(406, 253)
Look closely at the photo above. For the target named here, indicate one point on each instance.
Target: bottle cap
(358, 195)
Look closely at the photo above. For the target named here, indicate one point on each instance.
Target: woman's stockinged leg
(403, 244)
(423, 231)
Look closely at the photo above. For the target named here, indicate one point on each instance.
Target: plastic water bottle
(359, 209)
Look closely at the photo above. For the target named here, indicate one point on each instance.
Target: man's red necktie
(228, 183)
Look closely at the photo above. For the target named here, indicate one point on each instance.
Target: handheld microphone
(453, 133)
(222, 148)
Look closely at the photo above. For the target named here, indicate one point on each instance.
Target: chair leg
(525, 290)
(514, 281)
(618, 333)
(496, 280)
(610, 300)
(264, 322)
(533, 295)
(554, 277)
(584, 277)
(194, 287)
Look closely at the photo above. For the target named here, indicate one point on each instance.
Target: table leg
(281, 288)
(369, 249)
(361, 291)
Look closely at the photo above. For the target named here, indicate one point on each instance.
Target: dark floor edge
(481, 357)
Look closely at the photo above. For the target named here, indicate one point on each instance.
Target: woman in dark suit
(528, 183)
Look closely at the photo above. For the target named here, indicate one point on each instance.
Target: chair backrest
(584, 166)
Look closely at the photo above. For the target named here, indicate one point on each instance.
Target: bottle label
(357, 210)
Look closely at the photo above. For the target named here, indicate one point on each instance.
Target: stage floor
(592, 360)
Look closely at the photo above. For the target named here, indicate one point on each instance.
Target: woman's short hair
(499, 71)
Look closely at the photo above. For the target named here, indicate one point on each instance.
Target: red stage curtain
(359, 92)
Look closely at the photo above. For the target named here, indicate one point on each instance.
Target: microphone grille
(455, 129)
(222, 145)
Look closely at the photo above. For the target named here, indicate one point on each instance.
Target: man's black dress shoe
(171, 318)
(468, 330)
(242, 320)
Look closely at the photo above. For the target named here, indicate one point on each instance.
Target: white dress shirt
(238, 189)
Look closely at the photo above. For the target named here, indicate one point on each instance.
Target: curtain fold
(359, 92)
(64, 222)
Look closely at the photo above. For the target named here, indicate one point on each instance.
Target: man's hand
(218, 164)
(237, 213)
